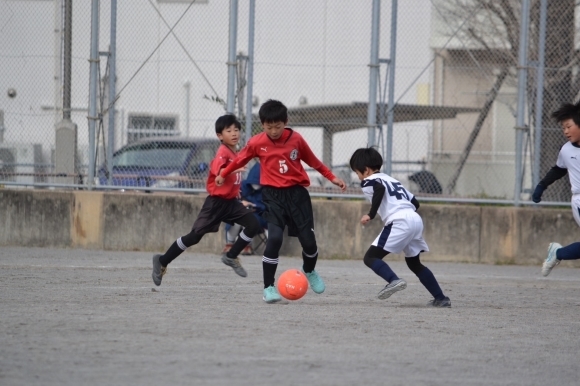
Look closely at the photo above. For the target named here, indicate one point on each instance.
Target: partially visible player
(251, 194)
(403, 227)
(222, 204)
(284, 180)
(568, 162)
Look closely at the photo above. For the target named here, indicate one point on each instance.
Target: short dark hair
(366, 157)
(226, 121)
(568, 111)
(273, 111)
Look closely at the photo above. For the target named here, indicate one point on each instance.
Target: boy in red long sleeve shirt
(284, 180)
(222, 204)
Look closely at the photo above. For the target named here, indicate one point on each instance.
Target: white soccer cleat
(551, 260)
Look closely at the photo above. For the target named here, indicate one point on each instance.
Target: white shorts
(404, 234)
(576, 208)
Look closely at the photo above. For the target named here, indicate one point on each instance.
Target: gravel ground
(72, 317)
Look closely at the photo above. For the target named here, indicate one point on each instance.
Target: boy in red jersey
(284, 181)
(221, 205)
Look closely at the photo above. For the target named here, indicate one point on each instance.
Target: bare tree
(493, 26)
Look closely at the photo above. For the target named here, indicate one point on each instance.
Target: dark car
(162, 162)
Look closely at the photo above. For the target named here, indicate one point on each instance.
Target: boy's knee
(253, 229)
(369, 260)
(275, 239)
(310, 247)
(373, 254)
(414, 264)
(308, 242)
(191, 238)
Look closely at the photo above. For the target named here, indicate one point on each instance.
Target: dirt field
(72, 317)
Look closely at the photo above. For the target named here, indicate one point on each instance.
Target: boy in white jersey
(568, 116)
(403, 229)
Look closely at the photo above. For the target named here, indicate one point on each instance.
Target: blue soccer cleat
(271, 295)
(315, 281)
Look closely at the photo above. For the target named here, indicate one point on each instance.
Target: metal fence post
(391, 108)
(373, 73)
(232, 63)
(539, 93)
(250, 82)
(522, 80)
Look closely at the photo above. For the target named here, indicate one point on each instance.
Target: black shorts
(289, 207)
(216, 210)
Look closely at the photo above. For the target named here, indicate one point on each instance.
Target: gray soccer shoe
(392, 287)
(158, 270)
(445, 302)
(235, 264)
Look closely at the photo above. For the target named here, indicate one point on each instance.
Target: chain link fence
(451, 90)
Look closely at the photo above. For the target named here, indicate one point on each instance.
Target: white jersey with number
(569, 158)
(403, 230)
(396, 199)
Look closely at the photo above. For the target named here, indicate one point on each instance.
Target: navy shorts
(216, 210)
(290, 207)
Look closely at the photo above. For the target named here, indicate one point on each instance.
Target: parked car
(162, 162)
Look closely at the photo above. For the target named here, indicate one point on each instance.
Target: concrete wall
(151, 222)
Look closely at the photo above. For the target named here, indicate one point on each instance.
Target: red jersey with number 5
(231, 186)
(280, 160)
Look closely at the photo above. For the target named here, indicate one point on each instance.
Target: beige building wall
(464, 78)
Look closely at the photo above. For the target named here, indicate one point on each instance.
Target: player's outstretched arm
(340, 183)
(554, 174)
(537, 195)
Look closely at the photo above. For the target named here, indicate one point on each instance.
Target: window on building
(144, 126)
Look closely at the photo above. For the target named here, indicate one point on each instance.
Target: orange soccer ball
(292, 284)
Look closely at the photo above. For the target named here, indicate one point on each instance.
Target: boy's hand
(340, 183)
(537, 195)
(219, 180)
(248, 204)
(365, 219)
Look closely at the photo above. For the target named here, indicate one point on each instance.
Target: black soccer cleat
(445, 302)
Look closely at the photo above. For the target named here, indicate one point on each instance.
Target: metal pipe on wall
(187, 86)
(58, 43)
(94, 63)
(112, 90)
(67, 60)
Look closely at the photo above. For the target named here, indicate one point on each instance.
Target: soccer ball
(292, 284)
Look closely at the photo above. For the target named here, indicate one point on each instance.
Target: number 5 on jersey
(283, 166)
